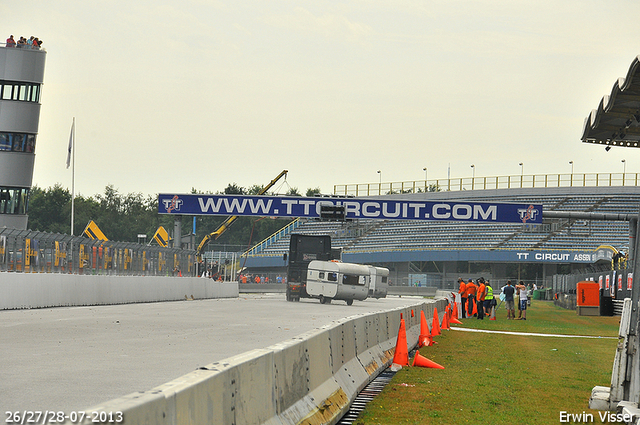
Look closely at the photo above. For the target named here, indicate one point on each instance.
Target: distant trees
(50, 209)
(122, 217)
(313, 192)
(431, 188)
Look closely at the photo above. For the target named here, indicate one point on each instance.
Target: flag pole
(72, 155)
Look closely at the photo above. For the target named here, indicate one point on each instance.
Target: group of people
(478, 299)
(31, 43)
(478, 295)
(248, 278)
(509, 292)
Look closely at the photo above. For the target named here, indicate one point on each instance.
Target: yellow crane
(227, 223)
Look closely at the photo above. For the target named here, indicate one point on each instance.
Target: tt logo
(172, 204)
(528, 214)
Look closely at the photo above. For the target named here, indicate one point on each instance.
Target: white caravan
(333, 280)
(379, 281)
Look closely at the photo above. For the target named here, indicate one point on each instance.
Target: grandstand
(444, 249)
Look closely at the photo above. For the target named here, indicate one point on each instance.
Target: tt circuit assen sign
(276, 206)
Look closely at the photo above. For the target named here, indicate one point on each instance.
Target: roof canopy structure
(616, 122)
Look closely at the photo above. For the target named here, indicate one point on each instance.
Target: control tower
(21, 77)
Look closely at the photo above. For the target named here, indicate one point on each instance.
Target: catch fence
(28, 251)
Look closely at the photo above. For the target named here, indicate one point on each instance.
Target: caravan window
(384, 279)
(350, 279)
(320, 275)
(332, 277)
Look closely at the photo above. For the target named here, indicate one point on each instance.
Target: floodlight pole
(571, 163)
(521, 173)
(473, 176)
(426, 184)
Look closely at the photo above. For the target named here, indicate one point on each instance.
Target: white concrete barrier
(309, 379)
(39, 290)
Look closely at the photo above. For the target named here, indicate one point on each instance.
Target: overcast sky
(174, 95)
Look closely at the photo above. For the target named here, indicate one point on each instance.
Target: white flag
(70, 144)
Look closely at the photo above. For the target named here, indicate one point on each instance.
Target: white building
(21, 77)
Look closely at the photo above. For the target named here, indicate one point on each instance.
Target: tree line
(122, 217)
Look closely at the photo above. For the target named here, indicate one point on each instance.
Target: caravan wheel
(349, 302)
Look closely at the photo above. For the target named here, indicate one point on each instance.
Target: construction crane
(229, 221)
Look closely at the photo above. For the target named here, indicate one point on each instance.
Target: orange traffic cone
(422, 361)
(493, 313)
(435, 325)
(454, 320)
(401, 355)
(453, 314)
(445, 321)
(424, 340)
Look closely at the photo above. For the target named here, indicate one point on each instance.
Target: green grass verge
(503, 379)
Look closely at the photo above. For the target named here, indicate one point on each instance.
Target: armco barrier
(38, 290)
(309, 379)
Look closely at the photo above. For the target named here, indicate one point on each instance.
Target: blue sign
(368, 208)
(553, 257)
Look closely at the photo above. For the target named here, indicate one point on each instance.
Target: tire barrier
(309, 379)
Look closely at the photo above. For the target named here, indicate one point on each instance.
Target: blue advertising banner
(277, 206)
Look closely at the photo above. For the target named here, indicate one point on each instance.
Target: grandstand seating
(404, 235)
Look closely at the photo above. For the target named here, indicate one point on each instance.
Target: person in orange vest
(257, 279)
(471, 297)
(463, 296)
(480, 298)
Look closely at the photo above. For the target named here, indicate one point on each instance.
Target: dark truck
(302, 250)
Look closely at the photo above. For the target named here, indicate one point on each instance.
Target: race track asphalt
(72, 358)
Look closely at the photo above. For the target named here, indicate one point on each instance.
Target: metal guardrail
(29, 251)
(484, 183)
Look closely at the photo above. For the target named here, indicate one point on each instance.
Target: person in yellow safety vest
(488, 298)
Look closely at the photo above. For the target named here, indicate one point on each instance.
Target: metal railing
(28, 251)
(22, 46)
(260, 247)
(484, 183)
